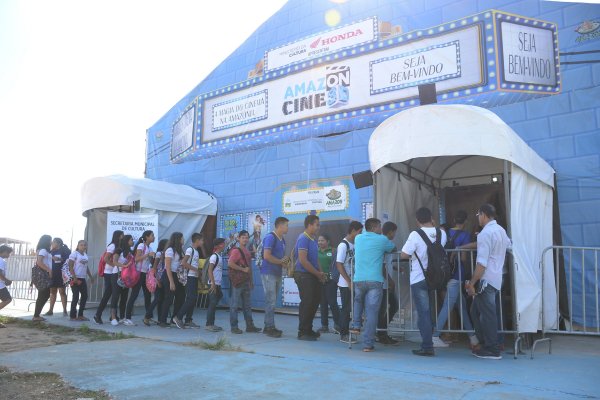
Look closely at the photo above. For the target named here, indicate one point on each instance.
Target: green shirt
(325, 257)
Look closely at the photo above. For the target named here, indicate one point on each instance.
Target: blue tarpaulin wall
(564, 129)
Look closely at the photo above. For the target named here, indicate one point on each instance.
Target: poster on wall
(258, 223)
(133, 224)
(330, 199)
(231, 224)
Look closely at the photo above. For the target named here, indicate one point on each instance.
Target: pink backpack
(151, 281)
(129, 274)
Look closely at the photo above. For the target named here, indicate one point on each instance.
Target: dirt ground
(20, 335)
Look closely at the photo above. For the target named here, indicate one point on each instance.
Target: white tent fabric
(419, 151)
(119, 190)
(180, 208)
(452, 130)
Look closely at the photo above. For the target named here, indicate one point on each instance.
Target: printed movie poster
(231, 225)
(258, 225)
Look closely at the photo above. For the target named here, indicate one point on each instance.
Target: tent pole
(506, 197)
(375, 195)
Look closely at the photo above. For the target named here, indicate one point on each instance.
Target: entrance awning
(455, 132)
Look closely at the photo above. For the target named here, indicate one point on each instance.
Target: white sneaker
(128, 322)
(114, 322)
(437, 342)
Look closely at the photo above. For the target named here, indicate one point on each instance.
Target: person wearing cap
(492, 243)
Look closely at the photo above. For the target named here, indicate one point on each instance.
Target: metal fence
(449, 305)
(576, 273)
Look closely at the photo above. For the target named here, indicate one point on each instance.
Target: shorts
(5, 295)
(57, 279)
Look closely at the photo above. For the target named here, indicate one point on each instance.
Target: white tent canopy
(418, 152)
(119, 190)
(179, 207)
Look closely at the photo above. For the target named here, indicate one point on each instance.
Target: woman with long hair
(43, 261)
(120, 260)
(109, 270)
(158, 268)
(78, 264)
(143, 256)
(171, 285)
(60, 254)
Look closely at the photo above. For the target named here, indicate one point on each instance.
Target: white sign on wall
(131, 224)
(426, 65)
(240, 111)
(330, 89)
(322, 44)
(328, 198)
(528, 54)
(183, 132)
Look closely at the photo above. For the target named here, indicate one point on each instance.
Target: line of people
(358, 268)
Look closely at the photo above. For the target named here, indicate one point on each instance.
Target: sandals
(369, 349)
(38, 319)
(354, 331)
(2, 325)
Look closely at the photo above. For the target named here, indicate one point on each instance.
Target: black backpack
(335, 274)
(439, 270)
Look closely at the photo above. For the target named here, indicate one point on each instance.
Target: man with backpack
(344, 257)
(425, 247)
(273, 260)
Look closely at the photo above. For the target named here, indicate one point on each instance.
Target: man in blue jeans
(270, 272)
(369, 250)
(492, 243)
(420, 291)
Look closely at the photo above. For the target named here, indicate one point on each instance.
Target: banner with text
(131, 224)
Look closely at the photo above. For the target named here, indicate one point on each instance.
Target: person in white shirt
(158, 269)
(492, 243)
(420, 291)
(343, 262)
(215, 275)
(44, 262)
(78, 264)
(173, 289)
(108, 274)
(5, 297)
(191, 262)
(143, 254)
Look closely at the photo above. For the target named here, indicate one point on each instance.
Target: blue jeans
(453, 290)
(191, 295)
(272, 286)
(485, 318)
(367, 297)
(157, 302)
(213, 301)
(420, 295)
(240, 296)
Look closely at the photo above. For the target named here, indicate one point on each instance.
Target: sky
(82, 80)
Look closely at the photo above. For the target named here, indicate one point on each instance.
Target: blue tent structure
(287, 117)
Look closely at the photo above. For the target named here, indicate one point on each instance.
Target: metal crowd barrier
(580, 266)
(405, 319)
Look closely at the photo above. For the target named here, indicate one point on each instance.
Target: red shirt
(236, 257)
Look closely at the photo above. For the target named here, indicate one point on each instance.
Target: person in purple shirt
(308, 277)
(274, 260)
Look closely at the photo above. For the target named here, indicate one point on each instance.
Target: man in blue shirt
(369, 250)
(308, 277)
(270, 272)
